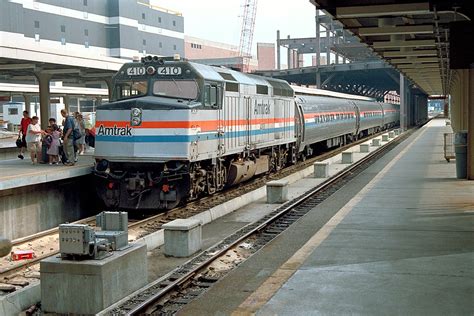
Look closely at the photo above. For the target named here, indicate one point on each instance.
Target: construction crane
(246, 35)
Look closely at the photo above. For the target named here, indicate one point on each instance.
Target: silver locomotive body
(190, 130)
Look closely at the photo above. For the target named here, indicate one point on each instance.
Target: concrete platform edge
(16, 302)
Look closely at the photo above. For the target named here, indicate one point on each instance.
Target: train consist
(175, 130)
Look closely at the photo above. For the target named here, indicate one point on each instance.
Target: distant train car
(175, 130)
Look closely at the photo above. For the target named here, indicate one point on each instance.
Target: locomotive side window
(181, 89)
(130, 89)
(212, 95)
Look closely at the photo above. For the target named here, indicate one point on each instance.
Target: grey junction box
(183, 237)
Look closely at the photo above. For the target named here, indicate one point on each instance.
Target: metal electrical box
(114, 228)
(76, 239)
(116, 221)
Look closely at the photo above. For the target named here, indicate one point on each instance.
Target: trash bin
(460, 148)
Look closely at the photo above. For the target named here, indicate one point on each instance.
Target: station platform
(398, 239)
(38, 197)
(16, 173)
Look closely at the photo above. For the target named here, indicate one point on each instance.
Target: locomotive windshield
(130, 89)
(182, 89)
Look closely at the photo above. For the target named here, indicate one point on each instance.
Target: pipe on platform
(5, 246)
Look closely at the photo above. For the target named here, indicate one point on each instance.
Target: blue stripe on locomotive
(186, 138)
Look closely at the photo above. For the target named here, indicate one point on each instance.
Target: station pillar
(44, 93)
(27, 100)
(403, 103)
(66, 102)
(462, 111)
(470, 128)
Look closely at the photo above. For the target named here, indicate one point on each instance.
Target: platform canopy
(424, 40)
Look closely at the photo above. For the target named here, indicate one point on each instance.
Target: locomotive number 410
(173, 71)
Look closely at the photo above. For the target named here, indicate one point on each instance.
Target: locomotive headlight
(136, 117)
(150, 70)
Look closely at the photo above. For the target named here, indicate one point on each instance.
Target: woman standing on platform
(81, 142)
(33, 139)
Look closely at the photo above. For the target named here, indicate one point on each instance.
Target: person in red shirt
(25, 121)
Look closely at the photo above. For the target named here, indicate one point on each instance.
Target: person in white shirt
(33, 139)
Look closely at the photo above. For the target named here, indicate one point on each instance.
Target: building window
(174, 23)
(143, 16)
(37, 37)
(37, 24)
(63, 41)
(144, 42)
(160, 45)
(159, 19)
(174, 47)
(85, 3)
(86, 44)
(86, 32)
(63, 28)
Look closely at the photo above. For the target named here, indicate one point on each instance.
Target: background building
(198, 48)
(114, 28)
(222, 54)
(266, 56)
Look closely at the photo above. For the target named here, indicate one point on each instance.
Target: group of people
(32, 137)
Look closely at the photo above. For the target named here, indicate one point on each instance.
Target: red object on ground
(22, 254)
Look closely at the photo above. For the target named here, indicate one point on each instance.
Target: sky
(221, 20)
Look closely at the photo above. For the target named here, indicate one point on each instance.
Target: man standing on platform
(68, 142)
(25, 122)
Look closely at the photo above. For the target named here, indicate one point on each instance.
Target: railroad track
(169, 294)
(46, 243)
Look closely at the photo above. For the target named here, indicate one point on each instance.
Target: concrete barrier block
(364, 148)
(321, 169)
(391, 134)
(183, 237)
(376, 142)
(385, 138)
(88, 286)
(347, 157)
(277, 191)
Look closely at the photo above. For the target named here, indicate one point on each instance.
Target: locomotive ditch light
(136, 117)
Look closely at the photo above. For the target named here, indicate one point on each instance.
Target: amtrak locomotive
(175, 130)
